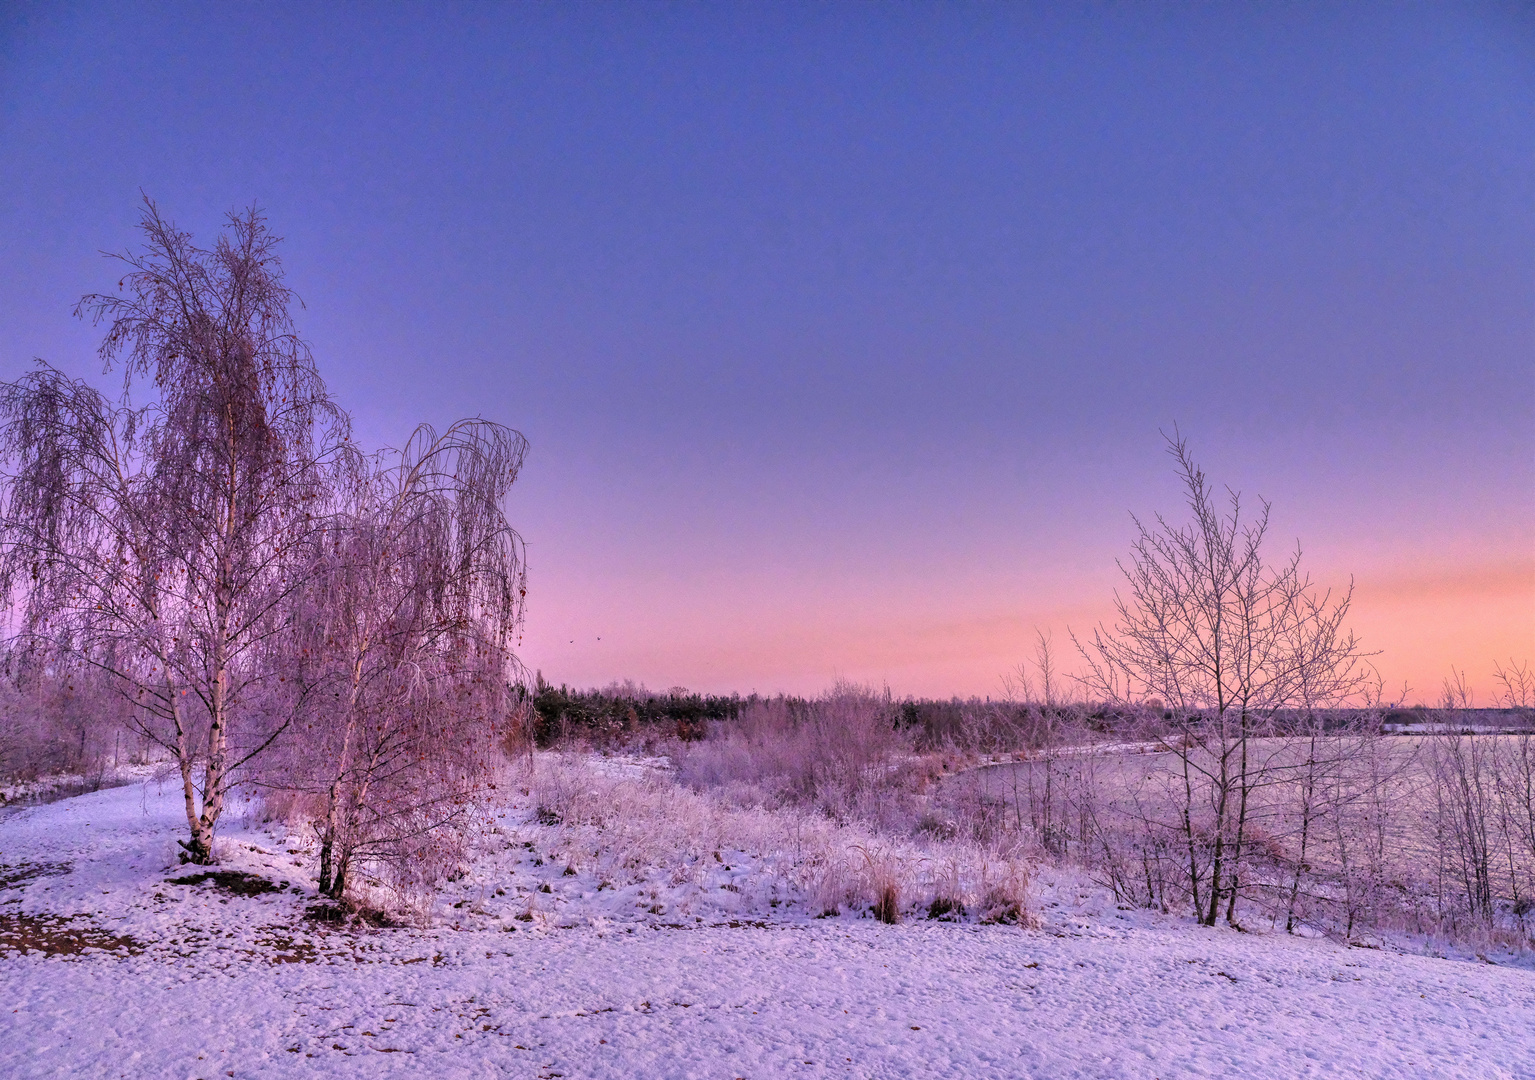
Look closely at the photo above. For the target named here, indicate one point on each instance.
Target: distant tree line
(618, 713)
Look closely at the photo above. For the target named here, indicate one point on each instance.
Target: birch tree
(404, 647)
(158, 542)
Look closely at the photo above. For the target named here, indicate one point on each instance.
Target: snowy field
(537, 966)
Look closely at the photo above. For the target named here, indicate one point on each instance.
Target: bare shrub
(1227, 641)
(1462, 768)
(519, 738)
(1517, 687)
(833, 752)
(1483, 807)
(1515, 784)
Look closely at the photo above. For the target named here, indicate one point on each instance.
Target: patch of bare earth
(56, 935)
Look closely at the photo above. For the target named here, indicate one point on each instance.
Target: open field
(111, 968)
(1356, 833)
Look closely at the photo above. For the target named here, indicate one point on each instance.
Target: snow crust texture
(108, 969)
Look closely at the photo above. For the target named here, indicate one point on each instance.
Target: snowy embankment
(17, 794)
(109, 968)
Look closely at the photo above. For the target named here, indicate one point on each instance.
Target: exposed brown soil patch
(338, 914)
(286, 949)
(237, 882)
(53, 935)
(12, 876)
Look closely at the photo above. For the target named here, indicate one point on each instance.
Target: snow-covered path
(1084, 997)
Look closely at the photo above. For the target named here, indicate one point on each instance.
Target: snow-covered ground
(109, 969)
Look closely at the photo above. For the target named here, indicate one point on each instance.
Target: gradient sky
(843, 334)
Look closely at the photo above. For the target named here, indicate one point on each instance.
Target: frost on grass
(634, 840)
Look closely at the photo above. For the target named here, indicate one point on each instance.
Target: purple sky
(843, 334)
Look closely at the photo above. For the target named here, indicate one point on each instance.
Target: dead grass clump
(832, 888)
(881, 879)
(946, 903)
(1001, 906)
(296, 809)
(520, 732)
(946, 908)
(1006, 900)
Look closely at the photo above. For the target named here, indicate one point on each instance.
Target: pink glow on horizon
(1430, 620)
(1422, 621)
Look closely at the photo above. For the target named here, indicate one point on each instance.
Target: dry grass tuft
(1006, 900)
